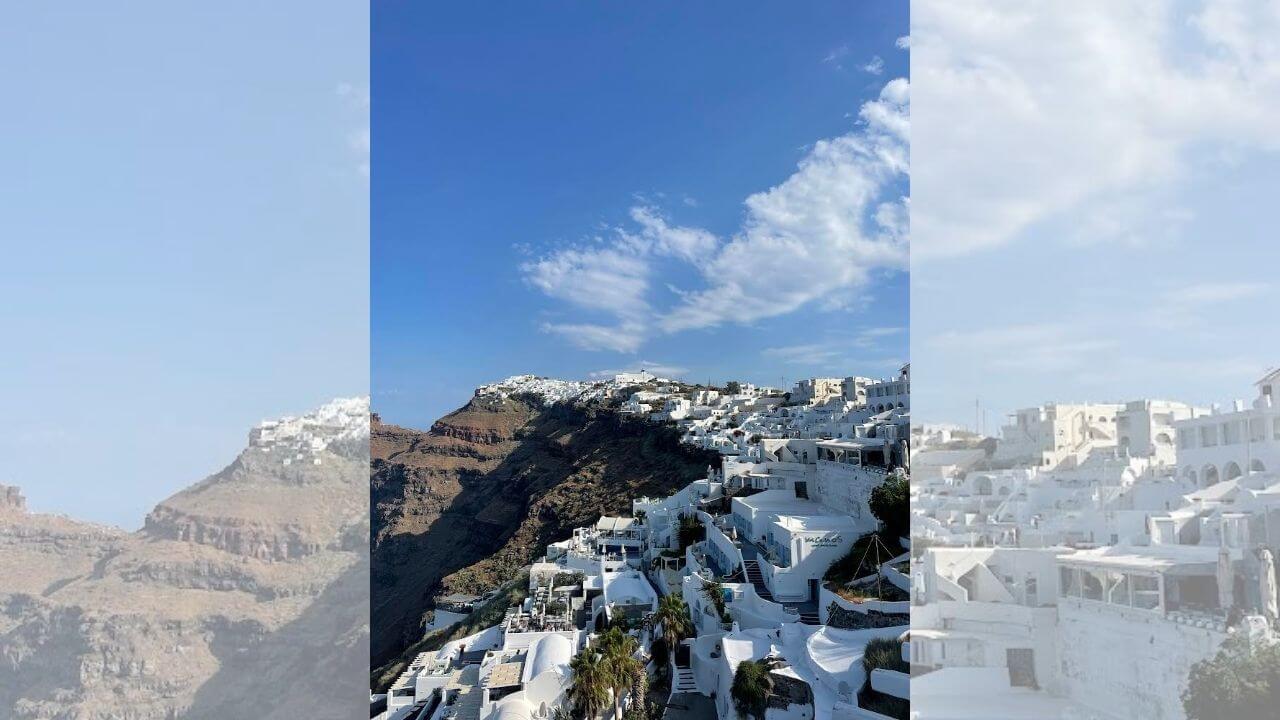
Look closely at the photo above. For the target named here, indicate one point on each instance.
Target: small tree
(733, 387)
(620, 666)
(690, 531)
(1241, 682)
(891, 504)
(673, 615)
(590, 691)
(752, 687)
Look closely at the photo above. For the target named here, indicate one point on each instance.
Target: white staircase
(756, 578)
(683, 682)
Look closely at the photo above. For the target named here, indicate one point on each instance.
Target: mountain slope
(222, 582)
(463, 506)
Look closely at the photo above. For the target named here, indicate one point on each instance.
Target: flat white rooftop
(1151, 557)
(801, 523)
(783, 502)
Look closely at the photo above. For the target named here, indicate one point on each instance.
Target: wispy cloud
(1195, 305)
(875, 65)
(839, 217)
(835, 56)
(1219, 292)
(834, 351)
(356, 100)
(1037, 347)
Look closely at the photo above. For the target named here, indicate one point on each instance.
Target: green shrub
(1241, 682)
(891, 504)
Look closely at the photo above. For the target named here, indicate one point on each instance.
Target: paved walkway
(689, 706)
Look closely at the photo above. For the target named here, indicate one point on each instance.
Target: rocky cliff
(235, 600)
(464, 505)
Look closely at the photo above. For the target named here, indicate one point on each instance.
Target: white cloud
(869, 336)
(821, 233)
(875, 65)
(608, 278)
(833, 351)
(1089, 108)
(623, 338)
(834, 57)
(903, 43)
(1032, 347)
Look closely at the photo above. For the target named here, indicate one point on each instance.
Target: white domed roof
(513, 708)
(549, 652)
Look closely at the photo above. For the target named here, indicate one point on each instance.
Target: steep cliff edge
(461, 507)
(212, 596)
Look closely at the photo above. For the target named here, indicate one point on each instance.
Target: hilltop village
(776, 587)
(1083, 562)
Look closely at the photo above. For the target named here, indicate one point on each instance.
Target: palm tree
(590, 691)
(752, 687)
(621, 668)
(673, 614)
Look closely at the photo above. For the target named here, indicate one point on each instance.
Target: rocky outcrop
(223, 580)
(463, 506)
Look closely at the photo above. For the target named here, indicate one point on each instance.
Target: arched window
(1209, 476)
(1257, 467)
(1231, 471)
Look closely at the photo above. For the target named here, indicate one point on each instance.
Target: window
(1146, 591)
(1257, 429)
(802, 490)
(1069, 582)
(1091, 582)
(1208, 436)
(1231, 432)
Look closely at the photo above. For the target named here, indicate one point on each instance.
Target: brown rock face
(217, 608)
(462, 507)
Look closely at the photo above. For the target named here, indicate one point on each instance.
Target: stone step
(684, 681)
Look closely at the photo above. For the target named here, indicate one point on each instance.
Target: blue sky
(1092, 226)
(564, 190)
(184, 210)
